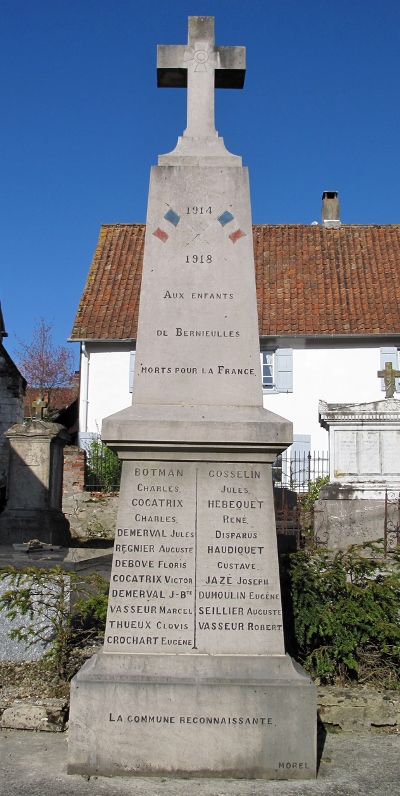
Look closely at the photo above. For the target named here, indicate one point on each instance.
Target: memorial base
(239, 716)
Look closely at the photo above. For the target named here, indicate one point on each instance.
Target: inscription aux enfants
(173, 270)
(176, 579)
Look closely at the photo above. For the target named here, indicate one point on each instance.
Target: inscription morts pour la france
(193, 679)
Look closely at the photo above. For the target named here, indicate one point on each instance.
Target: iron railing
(103, 468)
(296, 471)
(391, 531)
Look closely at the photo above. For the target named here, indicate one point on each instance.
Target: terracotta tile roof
(310, 281)
(108, 309)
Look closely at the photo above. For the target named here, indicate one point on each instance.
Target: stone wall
(74, 470)
(91, 515)
(12, 391)
(355, 709)
(340, 523)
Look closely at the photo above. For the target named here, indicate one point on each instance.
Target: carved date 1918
(199, 258)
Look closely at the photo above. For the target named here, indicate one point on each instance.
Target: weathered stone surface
(91, 516)
(339, 523)
(347, 709)
(364, 443)
(203, 715)
(353, 709)
(206, 572)
(47, 715)
(35, 485)
(12, 390)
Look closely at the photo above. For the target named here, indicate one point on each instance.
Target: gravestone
(35, 484)
(193, 679)
(364, 451)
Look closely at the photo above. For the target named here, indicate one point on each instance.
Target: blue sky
(83, 121)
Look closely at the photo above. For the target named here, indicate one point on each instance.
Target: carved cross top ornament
(389, 376)
(200, 67)
(39, 406)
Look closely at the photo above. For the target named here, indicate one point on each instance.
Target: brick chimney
(330, 210)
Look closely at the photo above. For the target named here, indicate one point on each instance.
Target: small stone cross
(389, 376)
(201, 67)
(39, 405)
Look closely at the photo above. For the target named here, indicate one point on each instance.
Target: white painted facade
(104, 385)
(346, 374)
(335, 375)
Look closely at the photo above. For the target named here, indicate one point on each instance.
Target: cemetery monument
(193, 679)
(364, 470)
(34, 506)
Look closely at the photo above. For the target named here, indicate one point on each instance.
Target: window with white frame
(267, 365)
(277, 370)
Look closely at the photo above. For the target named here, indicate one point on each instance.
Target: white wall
(334, 375)
(108, 383)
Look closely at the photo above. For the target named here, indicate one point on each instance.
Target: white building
(329, 318)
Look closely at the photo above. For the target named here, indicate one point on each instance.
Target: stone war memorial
(193, 679)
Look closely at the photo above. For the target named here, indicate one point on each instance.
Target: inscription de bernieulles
(191, 562)
(201, 331)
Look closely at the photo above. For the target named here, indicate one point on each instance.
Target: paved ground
(35, 764)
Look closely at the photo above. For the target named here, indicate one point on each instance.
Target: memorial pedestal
(193, 680)
(241, 716)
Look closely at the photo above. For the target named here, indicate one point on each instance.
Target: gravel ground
(34, 680)
(35, 764)
(28, 679)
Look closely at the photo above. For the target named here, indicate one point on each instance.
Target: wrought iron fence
(103, 468)
(391, 533)
(296, 470)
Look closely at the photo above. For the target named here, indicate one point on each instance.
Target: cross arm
(232, 69)
(171, 74)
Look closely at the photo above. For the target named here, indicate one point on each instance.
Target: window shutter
(131, 369)
(390, 354)
(284, 370)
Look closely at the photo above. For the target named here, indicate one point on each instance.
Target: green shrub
(307, 500)
(59, 609)
(103, 470)
(346, 609)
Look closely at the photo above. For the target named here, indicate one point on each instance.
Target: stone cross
(389, 376)
(201, 67)
(39, 405)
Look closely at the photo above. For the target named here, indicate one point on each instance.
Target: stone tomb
(35, 485)
(364, 445)
(193, 679)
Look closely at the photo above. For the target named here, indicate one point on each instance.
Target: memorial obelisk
(193, 679)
